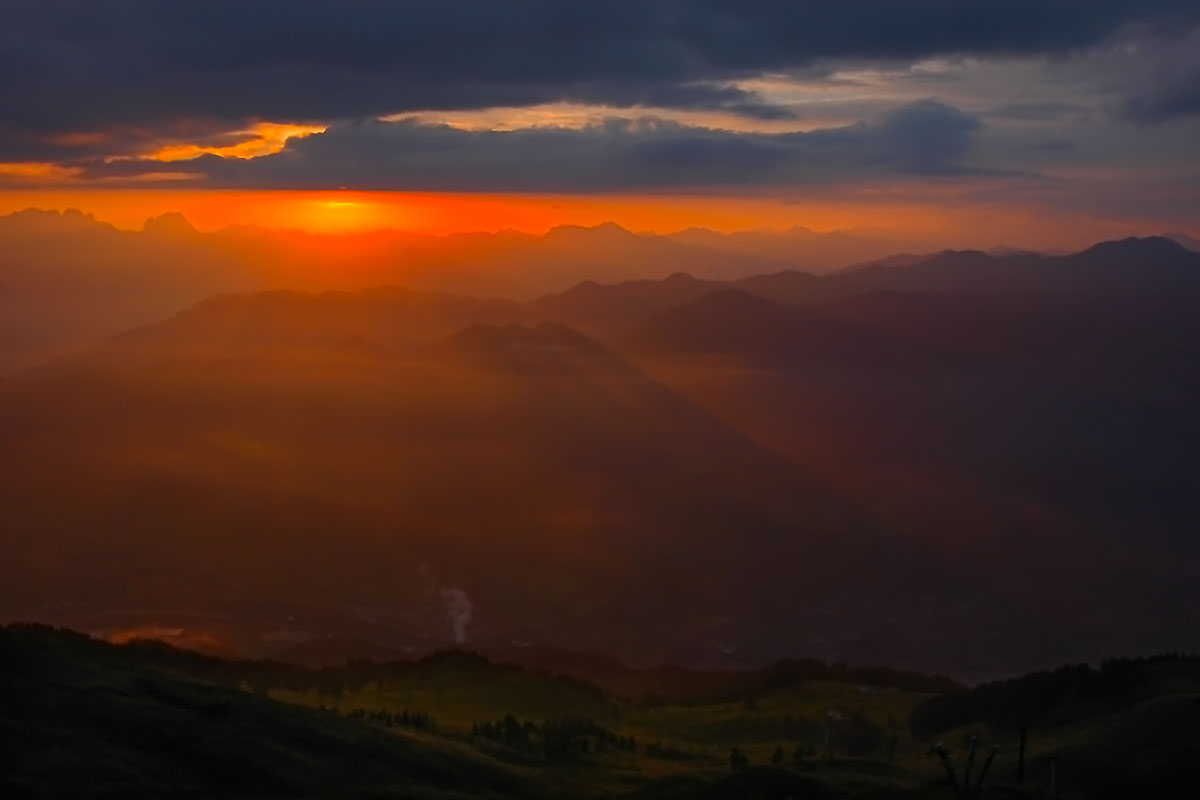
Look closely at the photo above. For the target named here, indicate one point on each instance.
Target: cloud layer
(1088, 108)
(84, 78)
(923, 138)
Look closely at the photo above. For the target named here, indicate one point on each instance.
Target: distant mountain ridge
(1149, 264)
(405, 317)
(69, 280)
(1190, 242)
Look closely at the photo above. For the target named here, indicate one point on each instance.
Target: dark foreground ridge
(84, 718)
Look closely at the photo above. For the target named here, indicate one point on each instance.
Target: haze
(603, 338)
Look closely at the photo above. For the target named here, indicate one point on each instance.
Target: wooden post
(973, 741)
(983, 774)
(944, 755)
(1021, 757)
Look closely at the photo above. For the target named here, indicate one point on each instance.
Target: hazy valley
(897, 463)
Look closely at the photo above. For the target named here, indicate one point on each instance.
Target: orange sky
(450, 213)
(926, 215)
(935, 222)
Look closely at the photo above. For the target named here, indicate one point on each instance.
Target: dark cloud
(1055, 145)
(1159, 76)
(1174, 96)
(925, 137)
(140, 66)
(17, 144)
(1042, 111)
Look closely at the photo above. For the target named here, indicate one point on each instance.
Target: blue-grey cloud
(1055, 145)
(135, 68)
(1173, 96)
(1040, 111)
(924, 138)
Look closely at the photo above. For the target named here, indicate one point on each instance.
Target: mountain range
(68, 279)
(901, 464)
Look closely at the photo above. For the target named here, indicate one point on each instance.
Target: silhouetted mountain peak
(1135, 247)
(590, 290)
(1190, 242)
(976, 256)
(608, 230)
(1004, 250)
(37, 220)
(170, 224)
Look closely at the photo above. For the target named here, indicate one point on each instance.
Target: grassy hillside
(1130, 728)
(85, 718)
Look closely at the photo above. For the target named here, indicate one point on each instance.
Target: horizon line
(364, 233)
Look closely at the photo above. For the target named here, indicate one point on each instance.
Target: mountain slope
(84, 719)
(758, 478)
(986, 425)
(1153, 263)
(528, 468)
(1111, 269)
(607, 307)
(758, 331)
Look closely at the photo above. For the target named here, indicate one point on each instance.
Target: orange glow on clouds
(261, 140)
(579, 115)
(36, 170)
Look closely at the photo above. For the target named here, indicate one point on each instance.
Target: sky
(1035, 121)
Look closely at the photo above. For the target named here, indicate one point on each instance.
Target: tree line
(556, 739)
